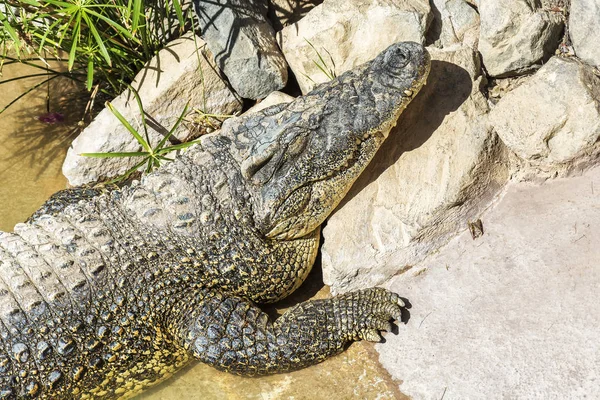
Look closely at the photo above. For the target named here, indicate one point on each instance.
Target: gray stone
(438, 167)
(455, 21)
(512, 314)
(552, 118)
(515, 34)
(584, 28)
(349, 33)
(171, 79)
(243, 43)
(286, 12)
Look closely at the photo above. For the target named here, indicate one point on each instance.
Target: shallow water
(32, 151)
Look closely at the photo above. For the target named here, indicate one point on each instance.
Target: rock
(552, 118)
(512, 314)
(515, 34)
(584, 29)
(165, 86)
(455, 21)
(243, 43)
(438, 167)
(271, 100)
(286, 12)
(349, 33)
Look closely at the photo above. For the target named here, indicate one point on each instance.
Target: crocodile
(103, 294)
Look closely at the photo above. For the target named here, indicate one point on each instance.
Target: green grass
(103, 42)
(324, 67)
(150, 156)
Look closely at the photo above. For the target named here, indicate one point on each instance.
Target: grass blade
(175, 126)
(13, 35)
(75, 42)
(90, 74)
(179, 12)
(137, 6)
(138, 100)
(59, 4)
(118, 27)
(128, 172)
(163, 158)
(130, 128)
(323, 66)
(98, 39)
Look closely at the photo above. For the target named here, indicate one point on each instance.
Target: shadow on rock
(448, 86)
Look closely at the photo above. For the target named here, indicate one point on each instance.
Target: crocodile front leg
(233, 335)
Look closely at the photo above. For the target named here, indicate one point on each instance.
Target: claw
(387, 327)
(394, 311)
(370, 335)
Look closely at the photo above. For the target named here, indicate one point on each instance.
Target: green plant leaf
(44, 37)
(90, 74)
(75, 42)
(175, 126)
(163, 158)
(130, 128)
(138, 100)
(13, 35)
(329, 73)
(137, 6)
(63, 4)
(179, 12)
(128, 172)
(98, 39)
(115, 25)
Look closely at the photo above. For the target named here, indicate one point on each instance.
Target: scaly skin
(103, 295)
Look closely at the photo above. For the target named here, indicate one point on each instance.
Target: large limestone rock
(171, 79)
(243, 43)
(554, 117)
(272, 99)
(515, 34)
(286, 12)
(349, 33)
(584, 28)
(434, 172)
(512, 314)
(455, 21)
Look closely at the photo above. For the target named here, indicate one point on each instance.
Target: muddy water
(32, 151)
(31, 155)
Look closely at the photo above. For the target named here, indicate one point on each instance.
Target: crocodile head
(300, 159)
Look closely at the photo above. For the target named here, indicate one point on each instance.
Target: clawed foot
(369, 311)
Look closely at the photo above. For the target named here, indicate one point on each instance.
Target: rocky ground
(482, 208)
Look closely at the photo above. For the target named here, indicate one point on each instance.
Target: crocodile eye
(298, 144)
